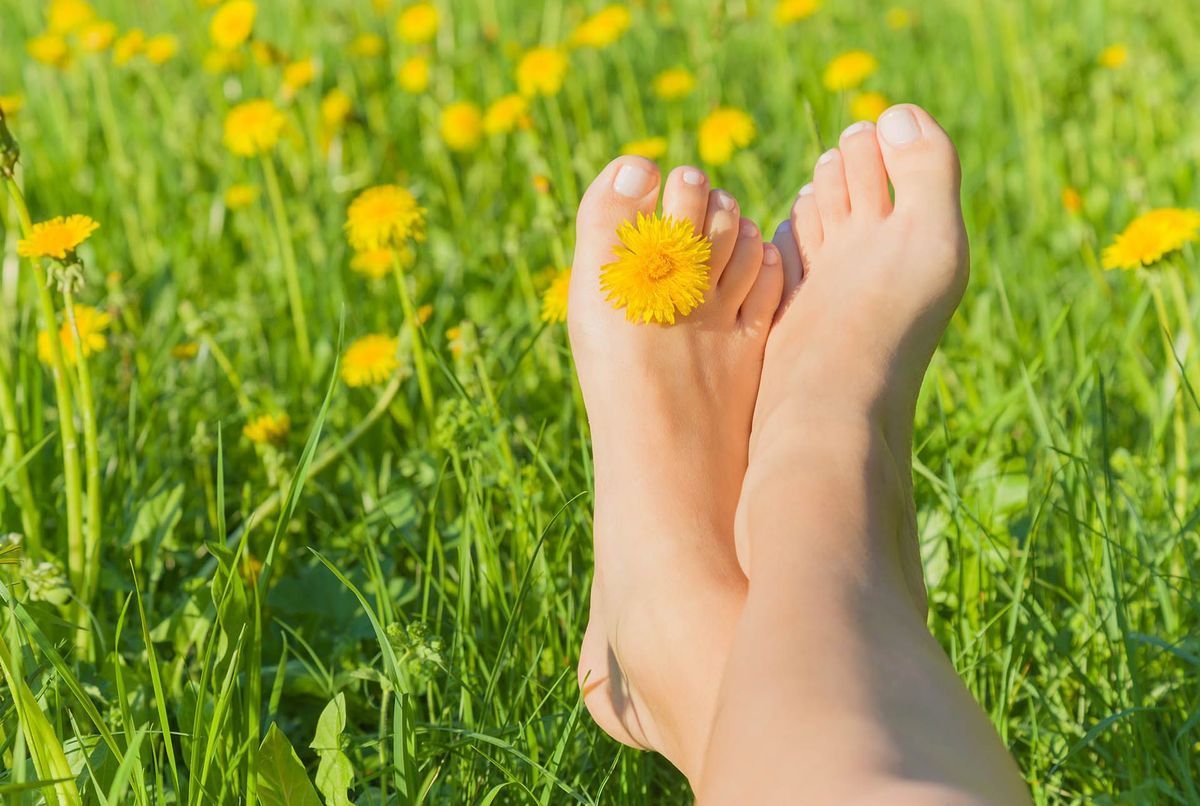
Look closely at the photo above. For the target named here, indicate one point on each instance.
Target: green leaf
(282, 780)
(335, 773)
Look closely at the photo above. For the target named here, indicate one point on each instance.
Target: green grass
(425, 581)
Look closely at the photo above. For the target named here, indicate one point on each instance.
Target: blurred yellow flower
(417, 23)
(898, 18)
(787, 11)
(414, 74)
(128, 45)
(335, 108)
(161, 48)
(868, 105)
(541, 71)
(1150, 236)
(462, 126)
(232, 24)
(97, 36)
(1114, 56)
(253, 127)
(297, 75)
(650, 147)
(11, 104)
(384, 216)
(57, 238)
(1072, 202)
(49, 49)
(673, 84)
(366, 45)
(267, 54)
(602, 28)
(268, 429)
(661, 269)
(848, 70)
(91, 324)
(506, 114)
(185, 350)
(376, 263)
(554, 301)
(221, 61)
(722, 132)
(370, 360)
(239, 196)
(65, 16)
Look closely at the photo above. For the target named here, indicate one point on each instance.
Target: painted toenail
(827, 156)
(899, 126)
(770, 255)
(693, 178)
(855, 128)
(748, 229)
(633, 181)
(807, 190)
(725, 201)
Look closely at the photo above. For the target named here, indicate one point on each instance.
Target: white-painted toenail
(828, 156)
(770, 255)
(899, 126)
(633, 181)
(725, 201)
(693, 178)
(807, 190)
(855, 128)
(748, 228)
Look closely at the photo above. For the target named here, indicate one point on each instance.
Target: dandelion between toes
(758, 609)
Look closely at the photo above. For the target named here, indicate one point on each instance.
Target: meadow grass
(388, 603)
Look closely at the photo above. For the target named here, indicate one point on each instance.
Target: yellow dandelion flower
(650, 147)
(232, 24)
(1150, 236)
(298, 75)
(898, 18)
(462, 126)
(868, 105)
(161, 48)
(65, 16)
(506, 114)
(268, 429)
(57, 238)
(97, 36)
(602, 28)
(91, 324)
(722, 132)
(49, 49)
(370, 360)
(1114, 56)
(385, 215)
(223, 61)
(554, 301)
(423, 313)
(414, 74)
(541, 71)
(1072, 202)
(266, 54)
(129, 44)
(335, 108)
(541, 183)
(417, 23)
(186, 350)
(239, 196)
(848, 70)
(377, 263)
(253, 127)
(366, 45)
(661, 269)
(11, 104)
(673, 84)
(788, 11)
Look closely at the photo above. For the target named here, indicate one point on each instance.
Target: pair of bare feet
(755, 547)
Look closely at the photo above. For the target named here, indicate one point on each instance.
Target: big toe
(920, 158)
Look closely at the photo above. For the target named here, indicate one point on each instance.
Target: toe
(721, 225)
(829, 179)
(685, 196)
(806, 225)
(762, 301)
(920, 158)
(793, 268)
(743, 265)
(866, 179)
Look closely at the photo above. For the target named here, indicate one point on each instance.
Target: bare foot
(670, 410)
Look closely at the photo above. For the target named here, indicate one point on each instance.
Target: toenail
(748, 229)
(725, 201)
(899, 126)
(807, 190)
(770, 255)
(633, 181)
(855, 128)
(828, 156)
(693, 178)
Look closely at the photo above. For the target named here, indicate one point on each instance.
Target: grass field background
(401, 618)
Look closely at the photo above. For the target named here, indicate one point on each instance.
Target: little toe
(743, 265)
(762, 301)
(921, 161)
(721, 225)
(685, 196)
(829, 180)
(866, 178)
(793, 267)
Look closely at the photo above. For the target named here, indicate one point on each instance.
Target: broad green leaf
(335, 773)
(282, 780)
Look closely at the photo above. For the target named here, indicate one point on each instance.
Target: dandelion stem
(414, 328)
(288, 253)
(14, 453)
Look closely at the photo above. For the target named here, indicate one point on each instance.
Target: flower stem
(287, 251)
(414, 328)
(13, 456)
